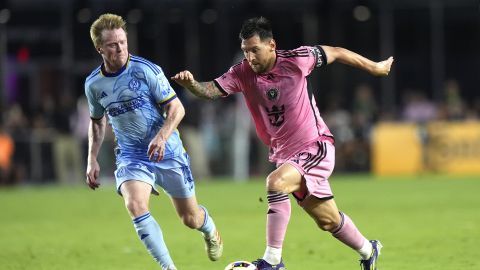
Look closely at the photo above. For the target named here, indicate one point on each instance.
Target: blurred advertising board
(441, 147)
(453, 147)
(396, 149)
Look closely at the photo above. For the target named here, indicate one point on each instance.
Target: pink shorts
(315, 163)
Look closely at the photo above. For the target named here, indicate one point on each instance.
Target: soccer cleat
(371, 263)
(214, 246)
(261, 264)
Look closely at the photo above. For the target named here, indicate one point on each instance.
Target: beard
(258, 68)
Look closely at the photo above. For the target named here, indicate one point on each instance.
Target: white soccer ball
(241, 265)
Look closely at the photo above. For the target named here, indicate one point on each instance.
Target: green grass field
(430, 222)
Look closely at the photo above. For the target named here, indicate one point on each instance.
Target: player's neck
(271, 63)
(111, 68)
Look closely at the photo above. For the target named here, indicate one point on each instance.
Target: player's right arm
(353, 59)
(207, 90)
(96, 133)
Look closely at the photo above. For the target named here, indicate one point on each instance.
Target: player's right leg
(136, 194)
(282, 181)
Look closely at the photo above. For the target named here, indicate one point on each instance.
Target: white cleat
(214, 246)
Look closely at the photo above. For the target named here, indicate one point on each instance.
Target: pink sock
(348, 233)
(278, 215)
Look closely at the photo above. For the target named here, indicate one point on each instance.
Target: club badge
(273, 94)
(134, 84)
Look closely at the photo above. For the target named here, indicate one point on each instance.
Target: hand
(383, 68)
(93, 171)
(156, 147)
(184, 78)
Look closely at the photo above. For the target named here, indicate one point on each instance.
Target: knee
(191, 221)
(275, 182)
(136, 207)
(327, 223)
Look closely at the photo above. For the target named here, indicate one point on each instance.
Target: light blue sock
(151, 235)
(208, 227)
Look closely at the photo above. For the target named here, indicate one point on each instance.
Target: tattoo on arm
(206, 90)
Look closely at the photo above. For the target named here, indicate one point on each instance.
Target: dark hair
(256, 26)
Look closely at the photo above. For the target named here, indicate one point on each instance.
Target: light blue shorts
(173, 175)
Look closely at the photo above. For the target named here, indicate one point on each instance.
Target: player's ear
(99, 50)
(273, 45)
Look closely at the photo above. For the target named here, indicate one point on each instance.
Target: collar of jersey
(106, 74)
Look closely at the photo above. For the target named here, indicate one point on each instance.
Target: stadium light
(361, 13)
(4, 16)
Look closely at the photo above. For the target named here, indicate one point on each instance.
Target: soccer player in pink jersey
(287, 119)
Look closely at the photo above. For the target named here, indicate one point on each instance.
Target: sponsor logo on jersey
(126, 107)
(276, 115)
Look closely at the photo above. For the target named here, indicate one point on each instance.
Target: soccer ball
(241, 265)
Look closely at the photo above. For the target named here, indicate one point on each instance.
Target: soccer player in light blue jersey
(144, 113)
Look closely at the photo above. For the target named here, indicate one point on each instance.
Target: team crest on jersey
(134, 84)
(273, 94)
(121, 172)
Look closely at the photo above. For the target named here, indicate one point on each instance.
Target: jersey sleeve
(230, 82)
(314, 58)
(162, 91)
(94, 107)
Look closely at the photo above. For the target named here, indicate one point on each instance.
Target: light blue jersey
(130, 97)
(133, 98)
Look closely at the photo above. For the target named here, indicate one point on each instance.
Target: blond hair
(106, 21)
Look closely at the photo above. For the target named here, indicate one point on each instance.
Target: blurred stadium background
(425, 113)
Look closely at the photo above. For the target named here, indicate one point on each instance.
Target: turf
(430, 222)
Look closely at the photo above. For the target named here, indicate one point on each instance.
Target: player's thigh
(323, 211)
(285, 179)
(136, 195)
(186, 206)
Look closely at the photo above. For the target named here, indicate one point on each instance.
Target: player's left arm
(174, 114)
(353, 59)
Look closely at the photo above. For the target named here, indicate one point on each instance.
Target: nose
(249, 56)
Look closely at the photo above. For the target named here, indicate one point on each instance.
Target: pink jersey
(284, 110)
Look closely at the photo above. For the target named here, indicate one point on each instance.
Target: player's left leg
(176, 179)
(196, 217)
(320, 205)
(325, 213)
